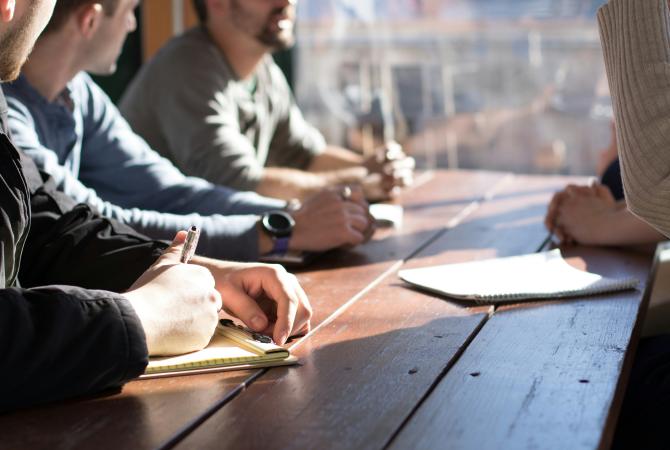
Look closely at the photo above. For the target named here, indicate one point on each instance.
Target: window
(488, 84)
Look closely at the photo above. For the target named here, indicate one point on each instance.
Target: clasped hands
(581, 214)
(389, 169)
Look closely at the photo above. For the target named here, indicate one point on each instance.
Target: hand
(581, 214)
(176, 303)
(265, 297)
(389, 169)
(327, 220)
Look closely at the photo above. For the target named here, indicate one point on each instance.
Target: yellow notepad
(231, 348)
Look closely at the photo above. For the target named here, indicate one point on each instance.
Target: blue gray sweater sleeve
(140, 188)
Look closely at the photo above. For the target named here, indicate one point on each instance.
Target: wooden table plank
(361, 376)
(149, 413)
(509, 223)
(339, 277)
(365, 371)
(538, 375)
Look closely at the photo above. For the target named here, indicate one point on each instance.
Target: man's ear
(88, 18)
(7, 10)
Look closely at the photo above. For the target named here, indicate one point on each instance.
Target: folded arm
(636, 43)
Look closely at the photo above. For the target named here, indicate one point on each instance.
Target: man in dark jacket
(95, 298)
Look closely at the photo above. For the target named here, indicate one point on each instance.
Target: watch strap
(280, 245)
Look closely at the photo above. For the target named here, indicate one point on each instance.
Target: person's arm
(230, 237)
(61, 341)
(287, 183)
(113, 152)
(636, 41)
(331, 167)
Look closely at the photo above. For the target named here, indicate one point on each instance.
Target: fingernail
(283, 338)
(258, 323)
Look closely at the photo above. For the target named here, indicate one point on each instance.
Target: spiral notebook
(543, 275)
(232, 347)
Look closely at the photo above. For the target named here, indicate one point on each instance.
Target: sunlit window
(488, 84)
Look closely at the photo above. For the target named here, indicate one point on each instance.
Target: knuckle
(309, 311)
(277, 269)
(213, 296)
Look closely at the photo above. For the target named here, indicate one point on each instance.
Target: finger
(355, 208)
(245, 308)
(407, 180)
(172, 254)
(301, 325)
(393, 150)
(354, 236)
(370, 230)
(287, 305)
(398, 179)
(552, 210)
(560, 234)
(358, 196)
(604, 192)
(572, 190)
(400, 165)
(215, 298)
(360, 222)
(405, 173)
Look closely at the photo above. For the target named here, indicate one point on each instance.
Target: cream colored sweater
(635, 35)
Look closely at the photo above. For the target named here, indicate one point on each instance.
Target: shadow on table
(364, 379)
(410, 206)
(138, 415)
(473, 234)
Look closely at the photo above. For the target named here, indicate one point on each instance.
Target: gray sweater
(635, 36)
(188, 103)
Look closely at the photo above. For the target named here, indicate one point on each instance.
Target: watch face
(278, 223)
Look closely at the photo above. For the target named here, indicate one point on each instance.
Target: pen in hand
(190, 244)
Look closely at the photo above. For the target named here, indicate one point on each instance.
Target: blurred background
(515, 85)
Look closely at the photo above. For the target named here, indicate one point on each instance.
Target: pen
(191, 243)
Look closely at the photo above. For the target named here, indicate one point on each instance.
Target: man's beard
(15, 47)
(276, 40)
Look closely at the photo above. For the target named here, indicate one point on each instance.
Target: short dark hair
(64, 8)
(201, 10)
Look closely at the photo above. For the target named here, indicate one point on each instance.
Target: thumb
(603, 190)
(172, 254)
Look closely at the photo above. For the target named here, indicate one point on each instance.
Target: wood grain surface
(366, 371)
(152, 413)
(541, 375)
(390, 366)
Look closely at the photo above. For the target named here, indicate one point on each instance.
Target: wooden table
(391, 367)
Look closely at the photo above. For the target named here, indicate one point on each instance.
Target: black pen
(191, 243)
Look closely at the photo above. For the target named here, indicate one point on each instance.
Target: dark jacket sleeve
(72, 244)
(62, 341)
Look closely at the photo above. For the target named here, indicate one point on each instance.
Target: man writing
(214, 103)
(71, 129)
(83, 299)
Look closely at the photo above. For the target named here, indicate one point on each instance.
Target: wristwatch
(279, 226)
